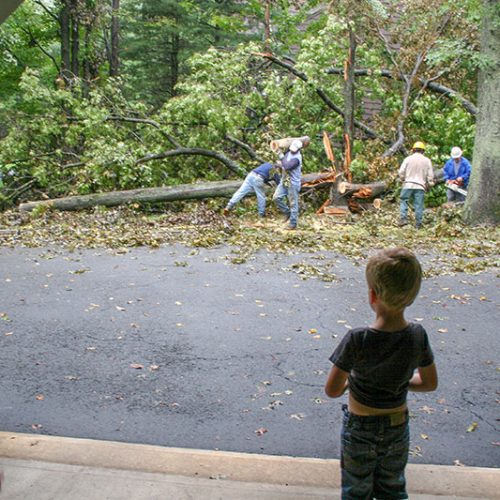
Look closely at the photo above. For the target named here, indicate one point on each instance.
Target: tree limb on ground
(114, 198)
(202, 190)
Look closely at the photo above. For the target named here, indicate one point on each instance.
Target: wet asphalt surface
(183, 348)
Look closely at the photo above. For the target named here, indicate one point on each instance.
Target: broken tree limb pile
(348, 197)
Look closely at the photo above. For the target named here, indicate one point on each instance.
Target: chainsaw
(457, 189)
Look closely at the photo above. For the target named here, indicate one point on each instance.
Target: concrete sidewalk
(44, 467)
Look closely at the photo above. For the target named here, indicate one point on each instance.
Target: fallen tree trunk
(222, 189)
(114, 198)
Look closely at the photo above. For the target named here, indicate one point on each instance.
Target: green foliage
(436, 196)
(161, 35)
(183, 67)
(21, 40)
(67, 145)
(449, 126)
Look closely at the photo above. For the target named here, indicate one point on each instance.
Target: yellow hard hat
(419, 145)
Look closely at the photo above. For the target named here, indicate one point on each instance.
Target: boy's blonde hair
(395, 275)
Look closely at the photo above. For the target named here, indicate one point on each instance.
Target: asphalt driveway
(186, 348)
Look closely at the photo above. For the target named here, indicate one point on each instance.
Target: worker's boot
(402, 222)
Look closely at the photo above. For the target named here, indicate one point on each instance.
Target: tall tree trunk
(483, 201)
(267, 27)
(75, 41)
(174, 62)
(87, 72)
(64, 21)
(114, 64)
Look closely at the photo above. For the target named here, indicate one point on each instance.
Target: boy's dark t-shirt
(381, 364)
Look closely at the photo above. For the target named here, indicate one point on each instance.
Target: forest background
(103, 95)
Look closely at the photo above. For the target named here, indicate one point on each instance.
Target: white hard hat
(295, 146)
(456, 152)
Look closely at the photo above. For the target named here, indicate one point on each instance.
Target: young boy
(377, 364)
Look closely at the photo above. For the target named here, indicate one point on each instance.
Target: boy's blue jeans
(374, 453)
(418, 203)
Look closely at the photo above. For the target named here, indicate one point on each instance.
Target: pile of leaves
(448, 245)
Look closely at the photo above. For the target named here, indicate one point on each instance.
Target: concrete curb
(243, 467)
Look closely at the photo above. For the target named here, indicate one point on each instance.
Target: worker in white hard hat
(456, 173)
(417, 175)
(289, 186)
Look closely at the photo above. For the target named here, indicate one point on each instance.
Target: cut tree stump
(362, 190)
(357, 206)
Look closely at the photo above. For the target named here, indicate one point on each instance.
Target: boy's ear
(372, 296)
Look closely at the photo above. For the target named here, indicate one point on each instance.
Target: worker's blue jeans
(292, 209)
(253, 182)
(417, 195)
(373, 456)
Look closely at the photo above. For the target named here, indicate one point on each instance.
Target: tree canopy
(101, 94)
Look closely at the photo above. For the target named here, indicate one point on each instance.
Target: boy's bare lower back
(358, 408)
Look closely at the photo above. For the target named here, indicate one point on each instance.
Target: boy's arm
(337, 382)
(425, 380)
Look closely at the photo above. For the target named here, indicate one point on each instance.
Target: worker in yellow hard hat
(417, 175)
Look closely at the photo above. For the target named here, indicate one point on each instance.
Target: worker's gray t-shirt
(381, 364)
